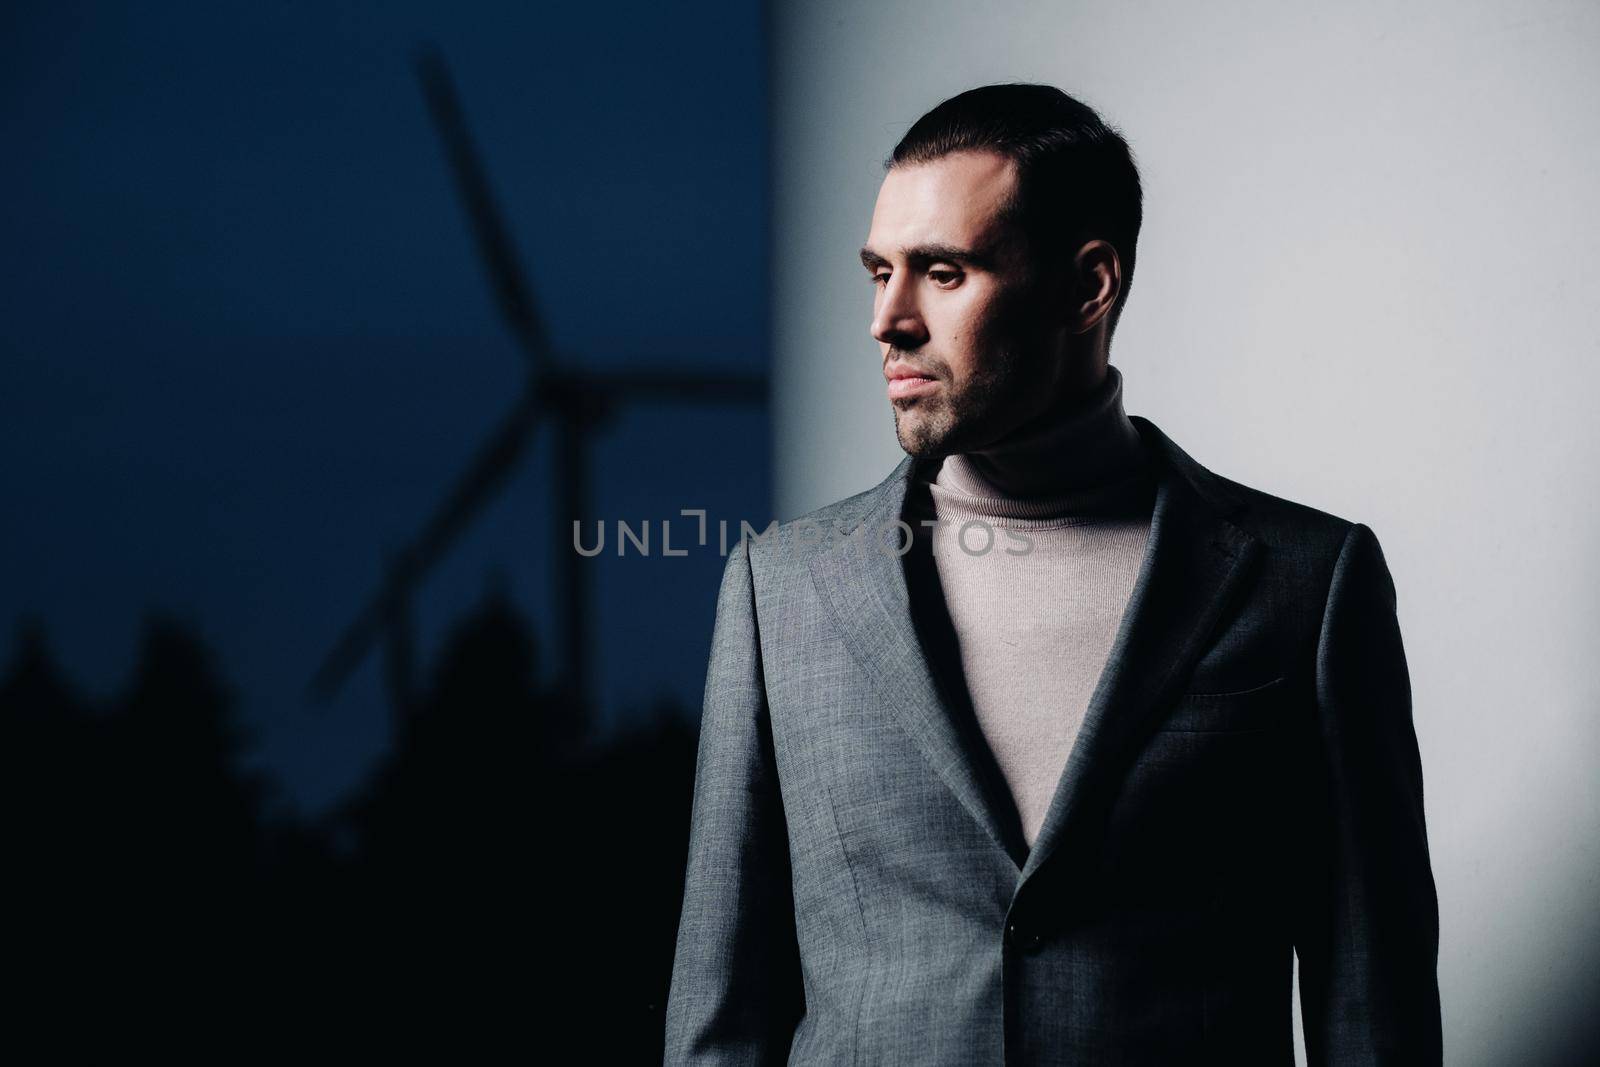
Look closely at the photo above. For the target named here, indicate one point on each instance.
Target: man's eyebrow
(931, 253)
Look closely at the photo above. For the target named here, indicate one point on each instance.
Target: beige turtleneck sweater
(1037, 543)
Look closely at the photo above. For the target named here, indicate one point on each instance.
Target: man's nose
(897, 320)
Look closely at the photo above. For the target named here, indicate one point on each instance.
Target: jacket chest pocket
(1201, 803)
(1258, 708)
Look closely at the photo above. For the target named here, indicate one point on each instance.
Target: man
(1067, 766)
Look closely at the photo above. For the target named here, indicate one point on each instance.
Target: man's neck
(1086, 444)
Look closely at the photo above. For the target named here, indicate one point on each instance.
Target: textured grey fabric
(1246, 783)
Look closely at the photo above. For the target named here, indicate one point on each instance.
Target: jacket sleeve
(1367, 916)
(736, 994)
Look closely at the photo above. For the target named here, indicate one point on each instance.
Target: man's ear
(1097, 282)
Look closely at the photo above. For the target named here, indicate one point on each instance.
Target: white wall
(1366, 282)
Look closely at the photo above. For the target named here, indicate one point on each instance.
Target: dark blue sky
(248, 342)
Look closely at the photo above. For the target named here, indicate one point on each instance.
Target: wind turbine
(573, 398)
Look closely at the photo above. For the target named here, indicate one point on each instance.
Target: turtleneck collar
(1087, 459)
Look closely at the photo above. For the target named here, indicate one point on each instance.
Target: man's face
(969, 349)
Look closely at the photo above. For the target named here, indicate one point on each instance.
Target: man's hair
(1076, 176)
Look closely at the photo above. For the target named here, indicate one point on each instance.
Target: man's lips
(905, 382)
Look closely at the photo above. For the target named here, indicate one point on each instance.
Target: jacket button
(1028, 940)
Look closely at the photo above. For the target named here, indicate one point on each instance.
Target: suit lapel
(1195, 561)
(864, 584)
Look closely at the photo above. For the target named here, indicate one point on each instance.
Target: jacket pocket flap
(1255, 708)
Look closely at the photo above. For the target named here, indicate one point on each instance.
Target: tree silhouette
(513, 883)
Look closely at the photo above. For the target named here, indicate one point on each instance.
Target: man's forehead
(955, 199)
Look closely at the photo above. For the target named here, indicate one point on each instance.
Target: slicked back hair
(1077, 180)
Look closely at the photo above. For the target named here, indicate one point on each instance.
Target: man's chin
(921, 450)
(918, 438)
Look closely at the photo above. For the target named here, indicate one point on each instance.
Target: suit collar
(1195, 562)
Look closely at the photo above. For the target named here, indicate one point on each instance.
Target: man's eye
(881, 278)
(944, 277)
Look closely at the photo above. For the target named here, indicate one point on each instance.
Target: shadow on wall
(500, 883)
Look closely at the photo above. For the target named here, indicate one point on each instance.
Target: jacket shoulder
(1306, 534)
(1275, 520)
(844, 514)
(794, 543)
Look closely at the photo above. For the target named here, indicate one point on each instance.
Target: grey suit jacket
(1246, 785)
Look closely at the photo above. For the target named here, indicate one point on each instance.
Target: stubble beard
(958, 420)
(924, 425)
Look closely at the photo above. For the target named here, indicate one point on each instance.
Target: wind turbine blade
(488, 227)
(482, 480)
(476, 487)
